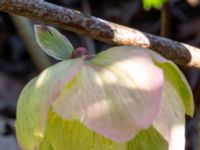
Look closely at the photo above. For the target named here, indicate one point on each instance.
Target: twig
(89, 42)
(26, 32)
(165, 20)
(102, 30)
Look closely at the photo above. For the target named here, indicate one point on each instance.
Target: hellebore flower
(124, 98)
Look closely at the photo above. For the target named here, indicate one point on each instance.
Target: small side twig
(165, 20)
(89, 42)
(24, 27)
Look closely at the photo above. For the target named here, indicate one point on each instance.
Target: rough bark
(102, 30)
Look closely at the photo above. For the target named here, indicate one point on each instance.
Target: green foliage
(148, 4)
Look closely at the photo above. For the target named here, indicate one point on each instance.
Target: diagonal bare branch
(102, 30)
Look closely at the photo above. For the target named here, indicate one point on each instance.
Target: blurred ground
(18, 66)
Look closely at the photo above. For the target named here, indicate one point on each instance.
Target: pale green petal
(37, 97)
(53, 42)
(170, 122)
(177, 79)
(116, 96)
(148, 139)
(72, 135)
(177, 100)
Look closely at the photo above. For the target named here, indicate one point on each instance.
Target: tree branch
(102, 30)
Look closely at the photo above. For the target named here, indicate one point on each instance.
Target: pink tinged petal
(144, 80)
(95, 107)
(170, 122)
(36, 99)
(116, 97)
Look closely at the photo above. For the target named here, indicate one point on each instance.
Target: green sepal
(53, 42)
